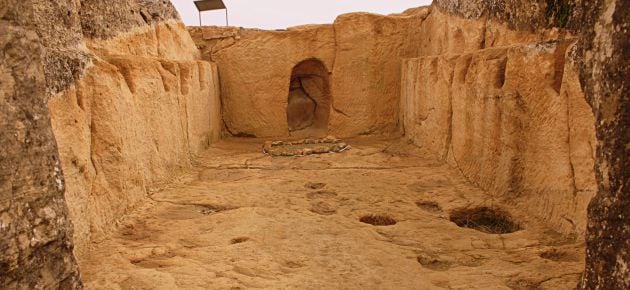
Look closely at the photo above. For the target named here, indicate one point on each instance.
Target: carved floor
(243, 220)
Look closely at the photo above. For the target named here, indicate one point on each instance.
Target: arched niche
(308, 107)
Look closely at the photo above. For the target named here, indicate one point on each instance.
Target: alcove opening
(308, 106)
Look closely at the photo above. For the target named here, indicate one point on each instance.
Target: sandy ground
(241, 220)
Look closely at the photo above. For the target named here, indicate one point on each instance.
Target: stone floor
(241, 220)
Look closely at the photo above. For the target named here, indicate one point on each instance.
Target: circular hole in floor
(378, 220)
(433, 263)
(428, 205)
(315, 185)
(323, 208)
(239, 240)
(489, 220)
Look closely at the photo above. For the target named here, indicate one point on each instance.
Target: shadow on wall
(308, 108)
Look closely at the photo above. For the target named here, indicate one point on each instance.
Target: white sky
(279, 14)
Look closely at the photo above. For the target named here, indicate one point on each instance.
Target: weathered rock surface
(35, 231)
(605, 50)
(107, 19)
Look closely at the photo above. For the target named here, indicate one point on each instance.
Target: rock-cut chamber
(309, 99)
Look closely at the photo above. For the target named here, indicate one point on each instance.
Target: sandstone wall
(366, 74)
(361, 51)
(131, 102)
(130, 99)
(508, 111)
(132, 123)
(601, 57)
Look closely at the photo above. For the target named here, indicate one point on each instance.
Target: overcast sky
(279, 14)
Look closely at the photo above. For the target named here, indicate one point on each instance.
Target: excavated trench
(468, 166)
(378, 215)
(470, 158)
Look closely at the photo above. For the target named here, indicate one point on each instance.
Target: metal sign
(209, 5)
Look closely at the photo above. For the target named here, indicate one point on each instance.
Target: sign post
(209, 5)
